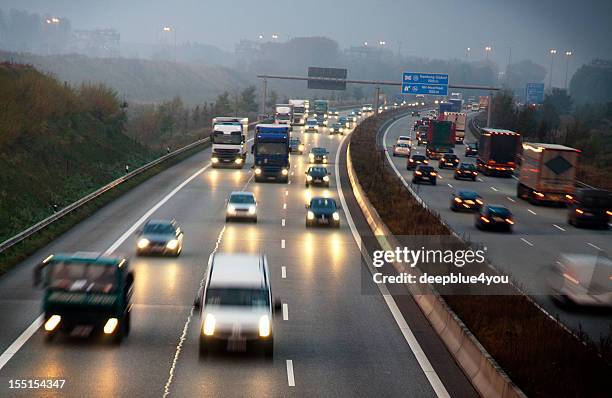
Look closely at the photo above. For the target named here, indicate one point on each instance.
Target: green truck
(88, 291)
(440, 138)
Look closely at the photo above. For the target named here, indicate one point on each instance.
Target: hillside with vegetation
(57, 143)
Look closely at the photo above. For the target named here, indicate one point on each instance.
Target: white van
(236, 307)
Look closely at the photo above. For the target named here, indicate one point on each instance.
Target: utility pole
(489, 106)
(376, 100)
(263, 97)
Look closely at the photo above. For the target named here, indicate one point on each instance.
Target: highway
(330, 340)
(540, 232)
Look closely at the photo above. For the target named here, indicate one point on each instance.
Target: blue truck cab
(271, 152)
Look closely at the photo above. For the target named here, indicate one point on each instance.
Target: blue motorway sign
(425, 83)
(535, 93)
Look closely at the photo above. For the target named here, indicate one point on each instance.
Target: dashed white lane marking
(282, 243)
(284, 206)
(449, 185)
(283, 272)
(285, 312)
(526, 241)
(289, 182)
(559, 228)
(532, 212)
(283, 222)
(480, 179)
(290, 376)
(594, 247)
(493, 188)
(286, 192)
(510, 199)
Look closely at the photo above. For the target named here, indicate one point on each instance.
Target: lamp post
(488, 49)
(552, 52)
(568, 54)
(168, 29)
(467, 52)
(274, 36)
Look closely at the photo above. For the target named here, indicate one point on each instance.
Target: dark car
(465, 201)
(321, 121)
(322, 211)
(448, 161)
(590, 208)
(466, 171)
(416, 160)
(416, 114)
(163, 237)
(424, 173)
(336, 128)
(345, 121)
(471, 149)
(494, 217)
(317, 175)
(296, 146)
(318, 155)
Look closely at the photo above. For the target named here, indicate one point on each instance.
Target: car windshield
(402, 145)
(450, 156)
(319, 151)
(419, 158)
(243, 297)
(271, 148)
(231, 138)
(468, 166)
(158, 228)
(323, 203)
(499, 211)
(425, 169)
(242, 198)
(83, 277)
(468, 195)
(317, 170)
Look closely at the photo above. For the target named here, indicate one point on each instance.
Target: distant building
(97, 42)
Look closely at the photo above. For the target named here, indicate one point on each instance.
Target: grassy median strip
(20, 251)
(539, 355)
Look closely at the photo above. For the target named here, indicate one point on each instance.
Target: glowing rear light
(609, 212)
(483, 218)
(579, 211)
(509, 221)
(571, 278)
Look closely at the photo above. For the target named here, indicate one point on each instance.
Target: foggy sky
(427, 28)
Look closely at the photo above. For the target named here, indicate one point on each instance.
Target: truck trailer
(548, 173)
(459, 119)
(440, 138)
(497, 152)
(229, 141)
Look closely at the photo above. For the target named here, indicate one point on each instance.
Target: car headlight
(326, 178)
(209, 325)
(252, 209)
(264, 326)
(231, 209)
(308, 178)
(214, 160)
(336, 216)
(324, 159)
(110, 325)
(311, 156)
(285, 172)
(310, 215)
(52, 322)
(238, 161)
(142, 243)
(340, 129)
(257, 171)
(301, 147)
(173, 244)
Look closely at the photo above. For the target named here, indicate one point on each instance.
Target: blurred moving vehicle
(312, 125)
(322, 211)
(416, 114)
(88, 290)
(336, 128)
(590, 208)
(296, 146)
(271, 152)
(416, 160)
(283, 114)
(318, 155)
(404, 139)
(344, 121)
(241, 205)
(299, 111)
(236, 307)
(424, 173)
(497, 152)
(494, 217)
(317, 175)
(440, 138)
(466, 200)
(466, 171)
(582, 280)
(401, 149)
(229, 141)
(161, 237)
(448, 160)
(321, 120)
(471, 149)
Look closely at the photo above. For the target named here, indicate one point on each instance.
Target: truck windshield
(271, 148)
(299, 110)
(83, 277)
(283, 116)
(237, 297)
(221, 138)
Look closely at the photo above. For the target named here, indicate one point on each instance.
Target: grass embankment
(541, 357)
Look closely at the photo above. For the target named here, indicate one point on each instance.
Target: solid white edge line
(290, 376)
(285, 312)
(415, 347)
(21, 340)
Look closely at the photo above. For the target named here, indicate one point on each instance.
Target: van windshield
(82, 277)
(238, 297)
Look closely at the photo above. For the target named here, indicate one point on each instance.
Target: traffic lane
(20, 302)
(164, 291)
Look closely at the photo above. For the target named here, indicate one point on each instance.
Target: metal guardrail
(97, 193)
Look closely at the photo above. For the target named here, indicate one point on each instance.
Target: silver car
(582, 279)
(241, 205)
(236, 307)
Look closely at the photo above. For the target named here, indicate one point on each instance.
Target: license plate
(469, 202)
(498, 219)
(236, 344)
(324, 220)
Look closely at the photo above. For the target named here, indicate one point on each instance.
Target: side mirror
(278, 306)
(197, 300)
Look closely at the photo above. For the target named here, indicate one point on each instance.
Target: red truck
(440, 138)
(497, 152)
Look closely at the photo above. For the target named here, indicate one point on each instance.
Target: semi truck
(283, 114)
(498, 151)
(321, 108)
(483, 102)
(440, 138)
(229, 141)
(445, 107)
(299, 111)
(456, 104)
(88, 290)
(271, 152)
(459, 119)
(547, 173)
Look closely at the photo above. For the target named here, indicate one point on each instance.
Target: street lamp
(382, 43)
(365, 43)
(261, 37)
(274, 36)
(169, 29)
(52, 20)
(568, 54)
(552, 52)
(488, 49)
(467, 52)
